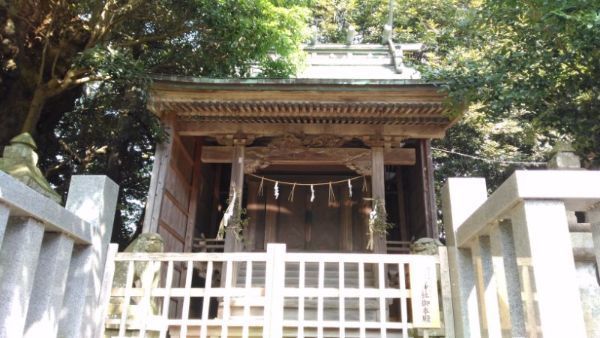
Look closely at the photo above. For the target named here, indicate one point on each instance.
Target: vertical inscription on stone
(424, 293)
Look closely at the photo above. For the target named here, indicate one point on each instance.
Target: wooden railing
(398, 247)
(208, 245)
(511, 254)
(52, 258)
(278, 294)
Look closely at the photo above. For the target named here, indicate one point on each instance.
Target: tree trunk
(13, 111)
(35, 111)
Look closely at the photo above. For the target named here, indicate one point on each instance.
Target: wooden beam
(197, 128)
(236, 186)
(317, 156)
(417, 94)
(193, 205)
(378, 188)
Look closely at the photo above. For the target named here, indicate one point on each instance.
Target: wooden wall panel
(173, 194)
(173, 243)
(179, 189)
(173, 217)
(160, 169)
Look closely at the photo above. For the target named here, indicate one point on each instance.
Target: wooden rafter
(358, 159)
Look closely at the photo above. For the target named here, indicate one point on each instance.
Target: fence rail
(52, 258)
(275, 294)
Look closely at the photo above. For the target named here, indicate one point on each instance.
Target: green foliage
(90, 63)
(111, 64)
(497, 147)
(432, 22)
(378, 222)
(537, 59)
(235, 219)
(107, 136)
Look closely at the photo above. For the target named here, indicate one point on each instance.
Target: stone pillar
(565, 158)
(4, 213)
(546, 266)
(378, 192)
(506, 272)
(460, 198)
(236, 186)
(94, 199)
(49, 286)
(18, 260)
(593, 217)
(486, 286)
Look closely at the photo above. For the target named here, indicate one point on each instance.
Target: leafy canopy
(75, 74)
(538, 60)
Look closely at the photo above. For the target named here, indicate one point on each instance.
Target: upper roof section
(349, 90)
(362, 61)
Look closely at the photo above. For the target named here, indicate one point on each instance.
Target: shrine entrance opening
(328, 220)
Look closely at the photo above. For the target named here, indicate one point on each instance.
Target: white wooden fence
(511, 254)
(52, 258)
(278, 294)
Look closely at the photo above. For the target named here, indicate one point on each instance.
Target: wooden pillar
(402, 223)
(252, 207)
(428, 188)
(236, 185)
(346, 239)
(193, 204)
(272, 211)
(378, 189)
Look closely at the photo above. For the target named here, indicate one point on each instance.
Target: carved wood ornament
(307, 148)
(294, 149)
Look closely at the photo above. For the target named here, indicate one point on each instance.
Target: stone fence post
(94, 199)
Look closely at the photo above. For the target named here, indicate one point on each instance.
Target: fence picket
(18, 258)
(4, 213)
(356, 290)
(49, 286)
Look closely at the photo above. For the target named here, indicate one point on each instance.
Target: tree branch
(151, 38)
(43, 62)
(107, 17)
(53, 69)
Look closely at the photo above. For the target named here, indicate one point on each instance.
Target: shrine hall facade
(306, 156)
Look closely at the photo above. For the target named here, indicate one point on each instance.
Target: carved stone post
(236, 186)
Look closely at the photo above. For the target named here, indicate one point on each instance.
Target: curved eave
(406, 103)
(161, 81)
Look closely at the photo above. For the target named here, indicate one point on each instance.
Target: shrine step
(291, 308)
(311, 275)
(288, 332)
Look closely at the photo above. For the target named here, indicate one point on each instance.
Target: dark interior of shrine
(317, 225)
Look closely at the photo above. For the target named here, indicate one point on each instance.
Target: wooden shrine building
(306, 155)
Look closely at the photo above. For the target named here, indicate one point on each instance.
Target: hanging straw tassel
(291, 196)
(365, 188)
(261, 186)
(276, 190)
(331, 194)
(312, 193)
